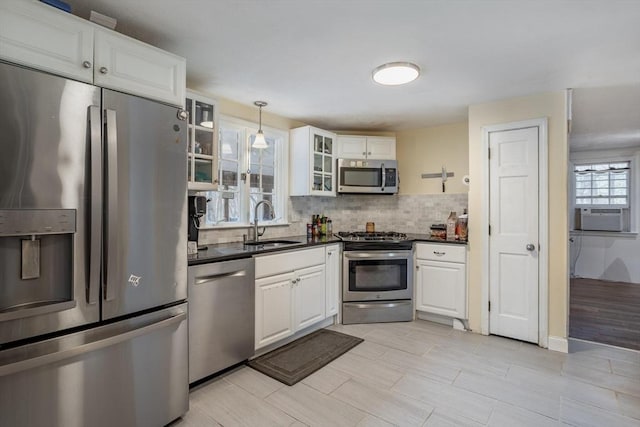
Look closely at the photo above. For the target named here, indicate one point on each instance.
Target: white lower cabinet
(290, 293)
(332, 267)
(441, 279)
(274, 316)
(308, 296)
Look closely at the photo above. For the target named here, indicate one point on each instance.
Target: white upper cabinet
(366, 147)
(134, 67)
(312, 162)
(42, 37)
(39, 36)
(202, 151)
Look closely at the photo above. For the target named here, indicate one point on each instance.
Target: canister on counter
(309, 231)
(371, 227)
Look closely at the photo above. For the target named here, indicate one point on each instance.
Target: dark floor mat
(302, 357)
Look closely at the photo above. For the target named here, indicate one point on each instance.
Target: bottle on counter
(451, 225)
(323, 225)
(329, 228)
(461, 226)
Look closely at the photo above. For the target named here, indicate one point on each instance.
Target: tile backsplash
(402, 213)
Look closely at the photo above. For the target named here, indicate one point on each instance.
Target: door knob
(531, 247)
(86, 64)
(103, 70)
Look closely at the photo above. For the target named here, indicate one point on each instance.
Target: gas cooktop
(376, 236)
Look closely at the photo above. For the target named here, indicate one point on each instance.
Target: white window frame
(281, 173)
(629, 187)
(610, 156)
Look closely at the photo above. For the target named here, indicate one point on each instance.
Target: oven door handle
(381, 255)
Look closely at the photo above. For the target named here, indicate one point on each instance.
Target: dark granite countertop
(429, 239)
(236, 250)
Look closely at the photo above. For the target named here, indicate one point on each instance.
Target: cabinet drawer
(441, 252)
(268, 265)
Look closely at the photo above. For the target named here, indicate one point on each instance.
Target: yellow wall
(427, 150)
(550, 105)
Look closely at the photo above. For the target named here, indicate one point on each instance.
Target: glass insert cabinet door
(202, 154)
(323, 161)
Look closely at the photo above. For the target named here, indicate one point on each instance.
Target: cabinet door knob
(364, 153)
(417, 267)
(297, 280)
(103, 70)
(86, 64)
(369, 153)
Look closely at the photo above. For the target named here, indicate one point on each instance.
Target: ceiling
(605, 117)
(311, 60)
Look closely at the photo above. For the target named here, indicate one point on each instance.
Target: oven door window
(377, 275)
(361, 177)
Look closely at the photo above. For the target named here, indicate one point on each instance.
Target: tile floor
(426, 374)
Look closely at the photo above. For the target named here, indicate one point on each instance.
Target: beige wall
(250, 113)
(427, 150)
(552, 106)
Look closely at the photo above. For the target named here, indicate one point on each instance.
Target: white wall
(614, 258)
(609, 255)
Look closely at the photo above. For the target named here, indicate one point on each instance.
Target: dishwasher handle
(211, 277)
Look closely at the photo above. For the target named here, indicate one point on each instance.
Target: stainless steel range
(377, 283)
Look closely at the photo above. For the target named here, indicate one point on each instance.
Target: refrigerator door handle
(112, 203)
(46, 359)
(96, 204)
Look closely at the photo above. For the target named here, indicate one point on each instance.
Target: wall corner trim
(558, 344)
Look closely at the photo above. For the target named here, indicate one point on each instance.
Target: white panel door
(309, 298)
(513, 241)
(274, 312)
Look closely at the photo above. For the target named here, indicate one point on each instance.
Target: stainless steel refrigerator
(93, 265)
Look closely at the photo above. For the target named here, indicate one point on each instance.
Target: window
(602, 184)
(248, 175)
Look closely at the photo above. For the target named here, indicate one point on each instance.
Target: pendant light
(260, 142)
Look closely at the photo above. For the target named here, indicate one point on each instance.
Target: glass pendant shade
(260, 142)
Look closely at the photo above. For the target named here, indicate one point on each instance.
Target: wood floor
(424, 374)
(605, 312)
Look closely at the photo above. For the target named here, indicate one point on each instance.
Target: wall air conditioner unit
(601, 219)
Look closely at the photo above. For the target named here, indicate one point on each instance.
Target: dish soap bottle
(451, 226)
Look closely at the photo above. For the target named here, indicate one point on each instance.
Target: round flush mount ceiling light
(396, 73)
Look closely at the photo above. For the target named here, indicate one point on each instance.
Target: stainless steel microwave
(367, 176)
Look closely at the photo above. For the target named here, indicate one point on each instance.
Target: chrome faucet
(256, 234)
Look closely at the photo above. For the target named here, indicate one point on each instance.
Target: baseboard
(558, 344)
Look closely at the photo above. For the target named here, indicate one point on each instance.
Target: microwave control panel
(390, 177)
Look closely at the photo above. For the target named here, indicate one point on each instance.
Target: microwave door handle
(384, 176)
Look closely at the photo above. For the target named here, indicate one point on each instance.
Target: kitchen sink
(273, 243)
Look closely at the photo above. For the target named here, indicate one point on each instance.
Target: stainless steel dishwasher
(221, 316)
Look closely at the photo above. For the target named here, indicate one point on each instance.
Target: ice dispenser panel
(36, 261)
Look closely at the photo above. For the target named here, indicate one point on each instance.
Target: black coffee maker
(197, 209)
